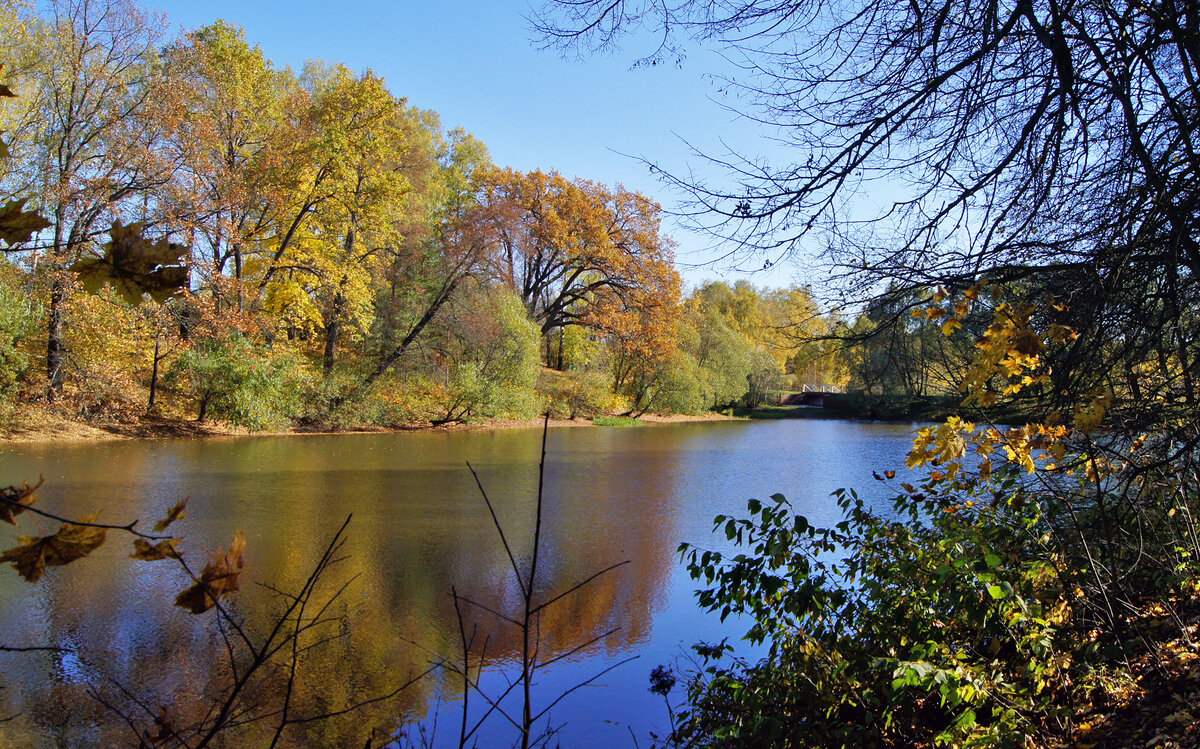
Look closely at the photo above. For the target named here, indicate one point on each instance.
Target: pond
(418, 527)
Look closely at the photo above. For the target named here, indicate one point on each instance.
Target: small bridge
(821, 389)
(812, 394)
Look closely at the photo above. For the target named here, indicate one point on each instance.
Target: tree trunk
(237, 274)
(154, 371)
(55, 348)
(203, 407)
(333, 329)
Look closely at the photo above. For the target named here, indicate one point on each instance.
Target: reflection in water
(419, 526)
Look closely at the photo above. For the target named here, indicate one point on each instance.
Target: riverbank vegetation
(1036, 582)
(195, 232)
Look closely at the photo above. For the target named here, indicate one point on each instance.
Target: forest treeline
(313, 248)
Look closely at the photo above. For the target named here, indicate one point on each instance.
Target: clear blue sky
(476, 64)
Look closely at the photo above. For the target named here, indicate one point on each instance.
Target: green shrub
(500, 378)
(949, 621)
(576, 395)
(233, 379)
(19, 316)
(617, 421)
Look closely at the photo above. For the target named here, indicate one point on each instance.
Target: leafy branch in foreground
(998, 602)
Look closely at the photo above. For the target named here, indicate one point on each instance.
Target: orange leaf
(36, 553)
(218, 579)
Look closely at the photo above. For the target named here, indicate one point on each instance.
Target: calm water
(419, 527)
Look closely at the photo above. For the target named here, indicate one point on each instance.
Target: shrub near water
(951, 623)
(232, 379)
(999, 601)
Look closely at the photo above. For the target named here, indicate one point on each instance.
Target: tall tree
(577, 252)
(90, 152)
(424, 271)
(384, 158)
(233, 134)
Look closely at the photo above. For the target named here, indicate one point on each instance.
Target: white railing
(820, 389)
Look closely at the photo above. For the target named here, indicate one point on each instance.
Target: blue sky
(476, 64)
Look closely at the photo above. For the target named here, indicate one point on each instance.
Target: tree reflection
(417, 532)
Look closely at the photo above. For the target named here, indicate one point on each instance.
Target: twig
(500, 530)
(577, 586)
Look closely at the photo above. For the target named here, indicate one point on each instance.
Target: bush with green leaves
(494, 361)
(680, 386)
(19, 316)
(578, 394)
(233, 379)
(954, 619)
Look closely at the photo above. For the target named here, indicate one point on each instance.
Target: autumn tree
(424, 271)
(381, 179)
(88, 151)
(228, 108)
(572, 249)
(484, 356)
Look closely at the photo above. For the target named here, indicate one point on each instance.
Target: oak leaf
(35, 553)
(175, 513)
(148, 552)
(218, 579)
(13, 501)
(18, 225)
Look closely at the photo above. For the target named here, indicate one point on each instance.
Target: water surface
(419, 527)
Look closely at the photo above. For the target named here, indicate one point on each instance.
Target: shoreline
(43, 426)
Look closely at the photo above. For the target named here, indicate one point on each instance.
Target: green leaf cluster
(944, 620)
